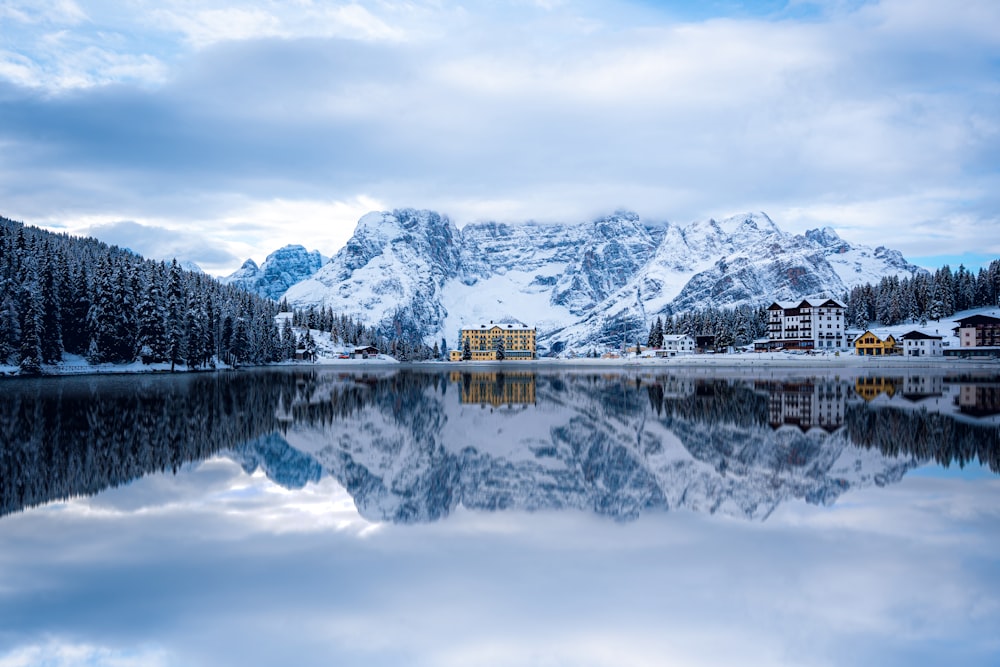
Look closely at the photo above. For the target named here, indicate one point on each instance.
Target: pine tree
(31, 331)
(288, 341)
(501, 353)
(52, 340)
(175, 310)
(466, 350)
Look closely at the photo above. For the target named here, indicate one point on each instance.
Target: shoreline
(748, 362)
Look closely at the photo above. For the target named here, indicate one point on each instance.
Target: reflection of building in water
(806, 404)
(496, 389)
(676, 386)
(918, 387)
(870, 387)
(979, 400)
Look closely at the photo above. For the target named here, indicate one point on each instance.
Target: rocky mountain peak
(570, 280)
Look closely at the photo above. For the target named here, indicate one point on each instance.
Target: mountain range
(568, 280)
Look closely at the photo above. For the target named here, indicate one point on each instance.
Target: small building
(675, 344)
(364, 352)
(978, 331)
(870, 344)
(920, 344)
(703, 344)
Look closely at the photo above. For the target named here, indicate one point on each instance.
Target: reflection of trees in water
(78, 436)
(712, 401)
(924, 435)
(66, 437)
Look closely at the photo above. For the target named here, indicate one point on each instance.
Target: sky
(216, 131)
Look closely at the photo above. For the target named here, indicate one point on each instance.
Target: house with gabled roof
(875, 344)
(920, 344)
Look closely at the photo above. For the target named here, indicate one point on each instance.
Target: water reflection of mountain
(413, 446)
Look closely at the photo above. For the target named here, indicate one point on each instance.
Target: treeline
(923, 297)
(730, 326)
(67, 295)
(62, 295)
(398, 336)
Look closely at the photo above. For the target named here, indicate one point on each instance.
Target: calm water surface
(313, 517)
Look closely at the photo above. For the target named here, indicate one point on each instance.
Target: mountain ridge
(416, 268)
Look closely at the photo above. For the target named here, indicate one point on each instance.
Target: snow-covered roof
(811, 303)
(676, 337)
(920, 335)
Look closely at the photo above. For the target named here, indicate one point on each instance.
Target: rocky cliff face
(283, 268)
(569, 280)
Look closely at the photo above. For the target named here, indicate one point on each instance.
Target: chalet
(809, 324)
(364, 352)
(920, 344)
(675, 344)
(870, 344)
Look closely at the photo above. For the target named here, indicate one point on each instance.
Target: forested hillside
(924, 297)
(64, 295)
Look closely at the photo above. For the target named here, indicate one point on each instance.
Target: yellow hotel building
(518, 342)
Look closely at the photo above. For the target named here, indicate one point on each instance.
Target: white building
(674, 344)
(920, 344)
(810, 324)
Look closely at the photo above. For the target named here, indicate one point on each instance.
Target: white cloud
(58, 653)
(66, 12)
(880, 114)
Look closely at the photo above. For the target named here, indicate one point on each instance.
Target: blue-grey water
(500, 517)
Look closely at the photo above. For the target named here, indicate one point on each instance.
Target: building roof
(676, 337)
(806, 303)
(919, 335)
(882, 336)
(513, 325)
(977, 319)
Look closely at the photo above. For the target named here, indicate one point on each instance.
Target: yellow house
(870, 344)
(484, 341)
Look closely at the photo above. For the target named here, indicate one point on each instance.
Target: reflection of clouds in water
(244, 572)
(218, 488)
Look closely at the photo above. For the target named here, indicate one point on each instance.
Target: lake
(444, 516)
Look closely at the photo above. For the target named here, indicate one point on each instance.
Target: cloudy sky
(215, 131)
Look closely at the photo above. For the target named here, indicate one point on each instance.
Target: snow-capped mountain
(395, 263)
(282, 269)
(570, 280)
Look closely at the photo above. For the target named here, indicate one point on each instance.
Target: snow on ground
(503, 295)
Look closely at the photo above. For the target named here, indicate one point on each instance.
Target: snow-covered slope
(857, 265)
(571, 280)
